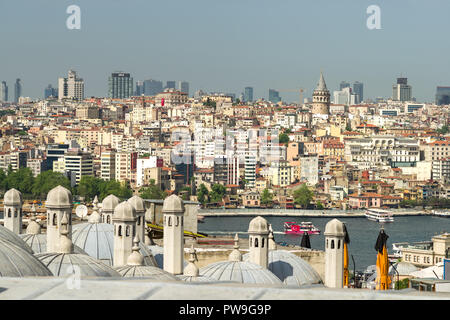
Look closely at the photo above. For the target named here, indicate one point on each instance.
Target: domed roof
(124, 212)
(97, 240)
(149, 272)
(110, 203)
(403, 268)
(59, 197)
(239, 271)
(173, 204)
(63, 264)
(10, 236)
(334, 228)
(138, 204)
(291, 269)
(16, 262)
(38, 243)
(258, 225)
(12, 197)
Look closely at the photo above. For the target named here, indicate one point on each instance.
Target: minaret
(58, 204)
(139, 206)
(191, 269)
(124, 220)
(108, 205)
(334, 254)
(173, 211)
(258, 241)
(321, 98)
(272, 243)
(12, 212)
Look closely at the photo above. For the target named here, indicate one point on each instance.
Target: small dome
(38, 243)
(110, 203)
(173, 204)
(138, 204)
(239, 271)
(291, 269)
(16, 262)
(59, 197)
(403, 268)
(148, 272)
(64, 264)
(124, 212)
(10, 236)
(97, 240)
(258, 225)
(334, 228)
(12, 197)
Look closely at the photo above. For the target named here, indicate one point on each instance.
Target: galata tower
(321, 98)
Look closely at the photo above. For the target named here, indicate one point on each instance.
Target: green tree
(266, 197)
(47, 180)
(303, 196)
(21, 180)
(185, 193)
(3, 181)
(152, 192)
(319, 205)
(89, 187)
(217, 193)
(443, 130)
(202, 194)
(283, 138)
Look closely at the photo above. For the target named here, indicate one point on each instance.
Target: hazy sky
(229, 44)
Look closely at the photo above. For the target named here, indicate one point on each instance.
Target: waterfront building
(426, 253)
(71, 87)
(120, 85)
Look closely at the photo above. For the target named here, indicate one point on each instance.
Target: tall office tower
(358, 89)
(401, 91)
(170, 85)
(321, 98)
(152, 87)
(442, 95)
(71, 87)
(183, 86)
(248, 94)
(274, 96)
(345, 96)
(50, 92)
(120, 85)
(344, 84)
(3, 92)
(17, 90)
(139, 88)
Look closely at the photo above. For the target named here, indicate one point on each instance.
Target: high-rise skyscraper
(248, 94)
(274, 96)
(442, 96)
(139, 88)
(71, 87)
(50, 92)
(152, 87)
(17, 90)
(358, 89)
(344, 84)
(183, 86)
(120, 85)
(170, 85)
(4, 92)
(401, 91)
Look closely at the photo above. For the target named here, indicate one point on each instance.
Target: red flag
(162, 102)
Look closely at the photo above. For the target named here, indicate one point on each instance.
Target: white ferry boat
(379, 215)
(440, 213)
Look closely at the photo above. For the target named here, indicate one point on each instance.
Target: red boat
(294, 228)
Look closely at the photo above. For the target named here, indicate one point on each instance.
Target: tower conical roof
(321, 85)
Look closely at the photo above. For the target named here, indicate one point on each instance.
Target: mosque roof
(138, 204)
(64, 264)
(12, 197)
(38, 243)
(10, 236)
(97, 240)
(16, 262)
(149, 272)
(124, 212)
(291, 269)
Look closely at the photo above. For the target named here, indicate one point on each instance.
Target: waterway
(363, 232)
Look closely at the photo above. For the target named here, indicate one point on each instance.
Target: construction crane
(301, 90)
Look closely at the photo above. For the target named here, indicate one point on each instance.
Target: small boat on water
(379, 215)
(441, 213)
(200, 219)
(294, 228)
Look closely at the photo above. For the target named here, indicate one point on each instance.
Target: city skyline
(290, 60)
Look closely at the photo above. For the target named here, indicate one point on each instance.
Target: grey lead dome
(59, 197)
(12, 197)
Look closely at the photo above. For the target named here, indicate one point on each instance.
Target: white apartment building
(71, 87)
(309, 170)
(108, 165)
(141, 165)
(80, 163)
